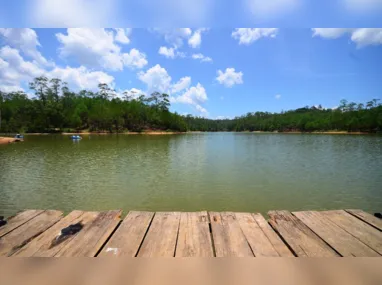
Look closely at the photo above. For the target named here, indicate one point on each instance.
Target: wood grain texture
(258, 241)
(160, 240)
(343, 242)
(301, 239)
(93, 236)
(129, 236)
(18, 220)
(194, 239)
(367, 218)
(20, 236)
(357, 228)
(46, 245)
(228, 238)
(274, 239)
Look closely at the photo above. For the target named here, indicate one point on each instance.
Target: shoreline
(7, 140)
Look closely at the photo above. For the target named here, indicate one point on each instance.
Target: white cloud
(361, 36)
(249, 35)
(196, 39)
(167, 52)
(201, 110)
(156, 78)
(14, 70)
(195, 96)
(81, 78)
(170, 52)
(98, 48)
(272, 8)
(90, 47)
(367, 36)
(230, 77)
(134, 58)
(25, 40)
(278, 96)
(72, 13)
(175, 37)
(202, 57)
(330, 33)
(122, 35)
(182, 84)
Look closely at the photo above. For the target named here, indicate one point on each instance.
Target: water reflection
(218, 171)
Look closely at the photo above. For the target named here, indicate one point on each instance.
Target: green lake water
(208, 171)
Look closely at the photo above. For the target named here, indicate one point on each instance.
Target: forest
(55, 108)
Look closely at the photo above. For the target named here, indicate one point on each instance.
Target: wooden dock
(192, 234)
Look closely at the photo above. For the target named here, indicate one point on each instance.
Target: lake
(208, 171)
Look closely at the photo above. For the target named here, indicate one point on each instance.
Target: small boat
(76, 137)
(19, 137)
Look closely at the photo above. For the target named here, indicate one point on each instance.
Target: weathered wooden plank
(367, 218)
(49, 243)
(93, 236)
(344, 243)
(20, 236)
(228, 238)
(129, 236)
(357, 228)
(301, 239)
(274, 239)
(18, 220)
(160, 240)
(194, 239)
(258, 241)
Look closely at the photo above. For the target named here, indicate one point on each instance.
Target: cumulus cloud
(201, 57)
(15, 71)
(273, 8)
(196, 39)
(174, 37)
(167, 52)
(247, 36)
(156, 78)
(72, 13)
(122, 35)
(98, 48)
(25, 40)
(134, 58)
(170, 52)
(81, 78)
(195, 96)
(182, 84)
(230, 77)
(361, 36)
(177, 36)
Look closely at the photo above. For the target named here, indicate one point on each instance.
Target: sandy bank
(127, 133)
(5, 140)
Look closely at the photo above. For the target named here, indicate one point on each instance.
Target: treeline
(55, 108)
(350, 117)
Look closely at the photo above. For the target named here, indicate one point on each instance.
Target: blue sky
(215, 72)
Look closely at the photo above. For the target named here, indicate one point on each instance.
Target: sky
(215, 72)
